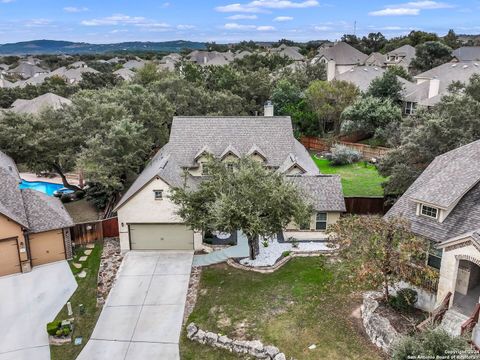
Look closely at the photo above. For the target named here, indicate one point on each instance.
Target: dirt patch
(241, 330)
(404, 323)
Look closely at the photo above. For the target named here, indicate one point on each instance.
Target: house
(433, 84)
(466, 53)
(40, 103)
(376, 59)
(72, 75)
(34, 227)
(289, 52)
(27, 70)
(241, 54)
(210, 58)
(339, 58)
(5, 84)
(134, 64)
(147, 217)
(402, 56)
(443, 206)
(125, 74)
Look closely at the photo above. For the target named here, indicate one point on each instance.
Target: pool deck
(53, 180)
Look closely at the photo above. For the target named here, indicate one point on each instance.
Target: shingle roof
(134, 64)
(375, 59)
(36, 105)
(11, 202)
(362, 76)
(467, 53)
(450, 178)
(343, 54)
(406, 53)
(323, 192)
(125, 74)
(27, 70)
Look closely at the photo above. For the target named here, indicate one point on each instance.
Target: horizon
(227, 21)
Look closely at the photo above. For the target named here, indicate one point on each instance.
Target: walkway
(27, 303)
(142, 317)
(238, 251)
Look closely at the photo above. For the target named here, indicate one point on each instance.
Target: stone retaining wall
(253, 348)
(377, 327)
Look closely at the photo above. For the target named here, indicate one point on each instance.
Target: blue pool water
(45, 187)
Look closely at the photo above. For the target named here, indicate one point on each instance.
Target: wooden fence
(366, 205)
(91, 232)
(367, 151)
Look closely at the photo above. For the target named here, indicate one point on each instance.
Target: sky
(110, 21)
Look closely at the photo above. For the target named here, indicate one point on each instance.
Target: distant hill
(66, 47)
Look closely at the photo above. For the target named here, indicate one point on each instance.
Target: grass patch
(82, 211)
(357, 179)
(85, 294)
(308, 301)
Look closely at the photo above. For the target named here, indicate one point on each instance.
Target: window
(434, 256)
(205, 168)
(321, 221)
(158, 194)
(410, 108)
(230, 166)
(429, 211)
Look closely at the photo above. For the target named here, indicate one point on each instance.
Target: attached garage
(160, 237)
(9, 259)
(47, 247)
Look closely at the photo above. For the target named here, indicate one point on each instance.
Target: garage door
(47, 247)
(161, 237)
(9, 261)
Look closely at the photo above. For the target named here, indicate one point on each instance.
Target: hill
(66, 47)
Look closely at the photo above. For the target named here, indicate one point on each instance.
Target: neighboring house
(34, 227)
(40, 103)
(466, 53)
(125, 74)
(443, 206)
(402, 56)
(72, 75)
(5, 84)
(210, 58)
(78, 64)
(241, 54)
(169, 62)
(433, 84)
(27, 70)
(376, 59)
(134, 64)
(339, 58)
(289, 52)
(147, 217)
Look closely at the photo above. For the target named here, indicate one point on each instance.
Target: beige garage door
(9, 261)
(161, 237)
(47, 247)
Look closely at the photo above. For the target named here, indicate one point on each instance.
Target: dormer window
(158, 194)
(429, 211)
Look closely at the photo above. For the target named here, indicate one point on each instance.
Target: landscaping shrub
(66, 198)
(53, 326)
(285, 253)
(404, 301)
(342, 155)
(429, 344)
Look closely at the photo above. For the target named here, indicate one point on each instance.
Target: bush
(53, 326)
(285, 253)
(431, 344)
(404, 301)
(342, 155)
(66, 198)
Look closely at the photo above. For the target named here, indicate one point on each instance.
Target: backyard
(308, 301)
(359, 179)
(85, 294)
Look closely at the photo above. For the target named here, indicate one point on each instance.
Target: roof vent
(465, 66)
(476, 64)
(454, 65)
(366, 70)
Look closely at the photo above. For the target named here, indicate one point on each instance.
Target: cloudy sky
(101, 21)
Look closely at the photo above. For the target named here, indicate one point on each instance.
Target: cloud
(242, 27)
(117, 19)
(412, 8)
(322, 28)
(283, 18)
(6, 1)
(166, 4)
(185, 27)
(37, 22)
(242, 17)
(259, 6)
(73, 9)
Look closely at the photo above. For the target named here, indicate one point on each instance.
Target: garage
(9, 260)
(160, 237)
(47, 247)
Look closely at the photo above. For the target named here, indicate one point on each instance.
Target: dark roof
(323, 192)
(448, 181)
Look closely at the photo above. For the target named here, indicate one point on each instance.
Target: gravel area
(269, 255)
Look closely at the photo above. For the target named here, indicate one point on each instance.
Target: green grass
(357, 179)
(85, 294)
(306, 302)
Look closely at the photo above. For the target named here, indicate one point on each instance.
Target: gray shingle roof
(376, 59)
(467, 53)
(33, 210)
(40, 103)
(362, 76)
(447, 180)
(343, 54)
(323, 192)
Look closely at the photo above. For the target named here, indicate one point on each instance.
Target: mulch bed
(404, 323)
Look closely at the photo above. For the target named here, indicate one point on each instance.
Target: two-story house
(147, 217)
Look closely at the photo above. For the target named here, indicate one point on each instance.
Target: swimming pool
(42, 186)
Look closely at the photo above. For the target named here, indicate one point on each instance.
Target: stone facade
(377, 327)
(253, 348)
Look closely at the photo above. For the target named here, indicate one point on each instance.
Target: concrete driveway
(142, 317)
(27, 303)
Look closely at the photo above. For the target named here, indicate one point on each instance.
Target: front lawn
(357, 179)
(308, 301)
(85, 294)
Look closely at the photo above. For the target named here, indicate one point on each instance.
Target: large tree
(249, 197)
(431, 54)
(387, 86)
(381, 251)
(328, 100)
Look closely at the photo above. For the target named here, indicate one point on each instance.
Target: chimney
(433, 88)
(205, 60)
(331, 67)
(268, 109)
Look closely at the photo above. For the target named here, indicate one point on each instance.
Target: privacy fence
(91, 232)
(367, 205)
(367, 151)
